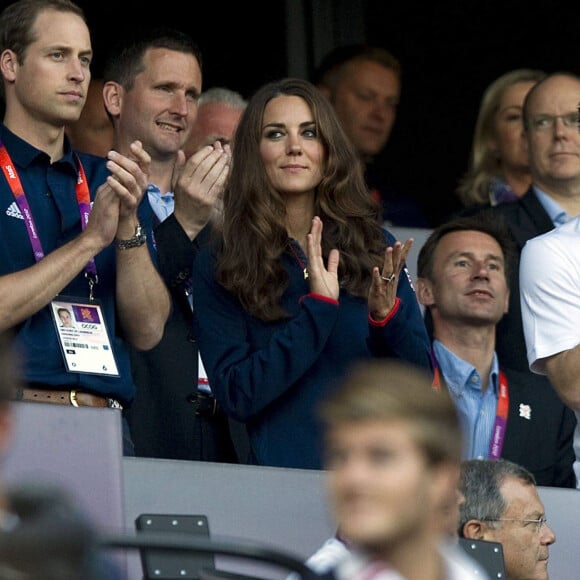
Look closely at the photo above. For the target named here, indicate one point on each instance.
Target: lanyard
(83, 200)
(501, 414)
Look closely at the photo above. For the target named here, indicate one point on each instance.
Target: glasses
(547, 122)
(538, 523)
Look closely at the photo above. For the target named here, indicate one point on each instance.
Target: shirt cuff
(388, 317)
(319, 297)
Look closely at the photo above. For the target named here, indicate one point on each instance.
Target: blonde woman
(498, 169)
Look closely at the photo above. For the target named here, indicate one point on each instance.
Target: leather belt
(72, 397)
(205, 404)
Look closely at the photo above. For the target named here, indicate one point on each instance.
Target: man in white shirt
(550, 298)
(553, 141)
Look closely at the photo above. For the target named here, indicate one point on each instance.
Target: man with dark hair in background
(363, 84)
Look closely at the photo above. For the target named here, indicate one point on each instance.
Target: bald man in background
(218, 113)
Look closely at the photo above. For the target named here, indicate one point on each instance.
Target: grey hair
(223, 95)
(480, 483)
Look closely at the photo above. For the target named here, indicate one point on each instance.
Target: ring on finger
(390, 278)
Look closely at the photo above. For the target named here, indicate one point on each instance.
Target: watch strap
(138, 239)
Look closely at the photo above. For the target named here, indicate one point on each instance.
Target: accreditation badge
(83, 337)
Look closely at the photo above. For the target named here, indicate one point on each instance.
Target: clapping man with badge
(74, 231)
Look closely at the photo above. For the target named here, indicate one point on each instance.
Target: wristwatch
(137, 240)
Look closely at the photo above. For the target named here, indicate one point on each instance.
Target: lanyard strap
(501, 413)
(83, 200)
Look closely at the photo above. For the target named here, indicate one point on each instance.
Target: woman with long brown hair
(302, 280)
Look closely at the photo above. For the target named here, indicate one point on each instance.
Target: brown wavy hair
(254, 235)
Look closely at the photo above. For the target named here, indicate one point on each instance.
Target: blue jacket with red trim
(273, 375)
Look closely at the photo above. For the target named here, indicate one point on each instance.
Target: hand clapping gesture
(323, 281)
(383, 290)
(198, 184)
(114, 212)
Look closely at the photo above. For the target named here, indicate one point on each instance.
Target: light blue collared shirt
(162, 204)
(476, 410)
(557, 214)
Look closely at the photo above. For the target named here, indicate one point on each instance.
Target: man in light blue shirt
(475, 398)
(463, 272)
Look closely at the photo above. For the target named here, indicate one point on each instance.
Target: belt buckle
(73, 398)
(207, 405)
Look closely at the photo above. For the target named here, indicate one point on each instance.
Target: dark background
(450, 51)
(238, 51)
